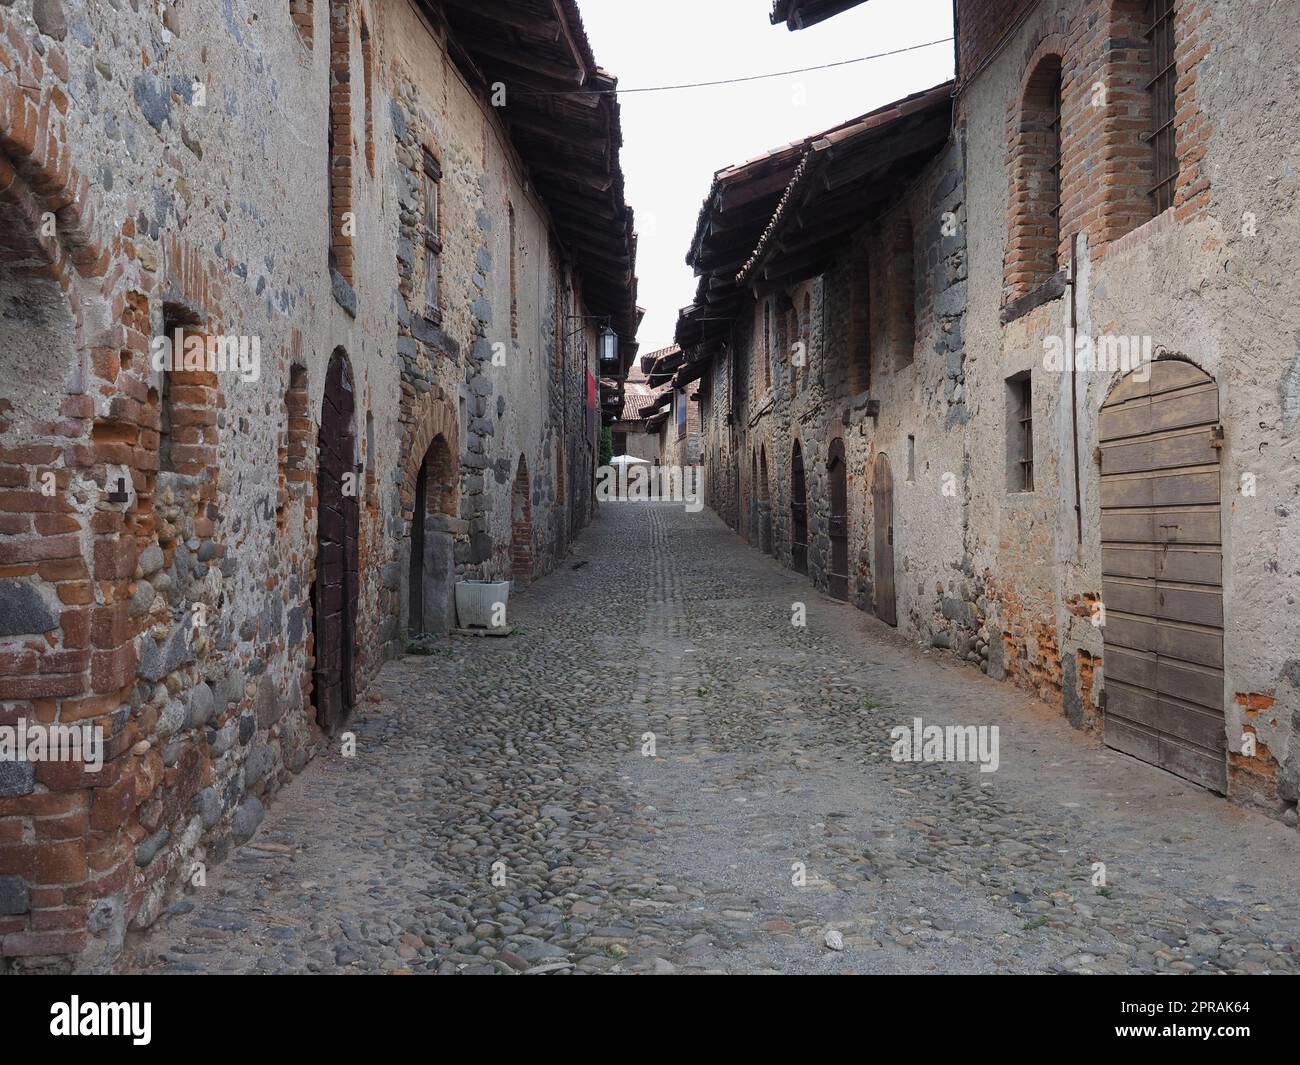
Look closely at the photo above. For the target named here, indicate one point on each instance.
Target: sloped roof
(800, 14)
(743, 234)
(564, 119)
(842, 177)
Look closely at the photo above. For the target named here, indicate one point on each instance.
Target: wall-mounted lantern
(608, 347)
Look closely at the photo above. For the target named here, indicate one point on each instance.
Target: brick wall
(157, 584)
(1102, 61)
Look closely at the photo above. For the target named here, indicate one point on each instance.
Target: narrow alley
(521, 759)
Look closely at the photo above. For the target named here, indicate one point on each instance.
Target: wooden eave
(563, 116)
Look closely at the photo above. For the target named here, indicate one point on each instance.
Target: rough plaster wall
(1203, 289)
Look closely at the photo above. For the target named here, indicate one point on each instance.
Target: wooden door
(798, 513)
(337, 585)
(1162, 572)
(882, 513)
(837, 578)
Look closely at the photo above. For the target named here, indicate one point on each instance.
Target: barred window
(1160, 32)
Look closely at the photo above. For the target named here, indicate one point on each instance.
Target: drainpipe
(1074, 381)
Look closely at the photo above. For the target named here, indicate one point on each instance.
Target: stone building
(1014, 365)
(384, 236)
(633, 429)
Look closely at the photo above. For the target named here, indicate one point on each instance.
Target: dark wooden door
(798, 513)
(837, 578)
(882, 513)
(418, 522)
(1162, 572)
(337, 585)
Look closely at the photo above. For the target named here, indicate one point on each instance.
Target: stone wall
(165, 167)
(1011, 579)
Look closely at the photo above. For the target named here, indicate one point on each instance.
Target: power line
(727, 81)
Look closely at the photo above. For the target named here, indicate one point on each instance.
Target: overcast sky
(673, 142)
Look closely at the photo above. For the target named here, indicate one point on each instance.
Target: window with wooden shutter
(432, 237)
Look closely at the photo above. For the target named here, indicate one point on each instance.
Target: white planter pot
(476, 602)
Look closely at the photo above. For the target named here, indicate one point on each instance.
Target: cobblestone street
(772, 748)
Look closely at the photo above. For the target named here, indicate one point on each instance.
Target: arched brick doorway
(1162, 571)
(337, 585)
(837, 578)
(521, 527)
(798, 512)
(432, 543)
(764, 505)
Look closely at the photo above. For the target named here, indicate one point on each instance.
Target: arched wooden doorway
(837, 578)
(521, 526)
(882, 516)
(432, 545)
(764, 505)
(752, 525)
(798, 512)
(337, 585)
(1162, 571)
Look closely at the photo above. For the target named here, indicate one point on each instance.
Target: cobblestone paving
(772, 748)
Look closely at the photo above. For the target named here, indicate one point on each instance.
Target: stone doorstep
(504, 630)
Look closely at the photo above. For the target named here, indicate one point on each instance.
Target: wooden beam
(558, 12)
(533, 93)
(555, 173)
(585, 207)
(509, 15)
(518, 57)
(535, 127)
(747, 192)
(891, 149)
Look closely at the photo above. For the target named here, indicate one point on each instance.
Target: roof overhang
(846, 176)
(563, 117)
(800, 14)
(786, 215)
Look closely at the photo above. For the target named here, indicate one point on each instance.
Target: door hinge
(1216, 437)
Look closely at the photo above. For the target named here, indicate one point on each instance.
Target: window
(367, 89)
(339, 135)
(911, 458)
(301, 14)
(680, 397)
(767, 343)
(1034, 240)
(791, 340)
(805, 338)
(1020, 434)
(432, 237)
(1052, 187)
(1160, 15)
